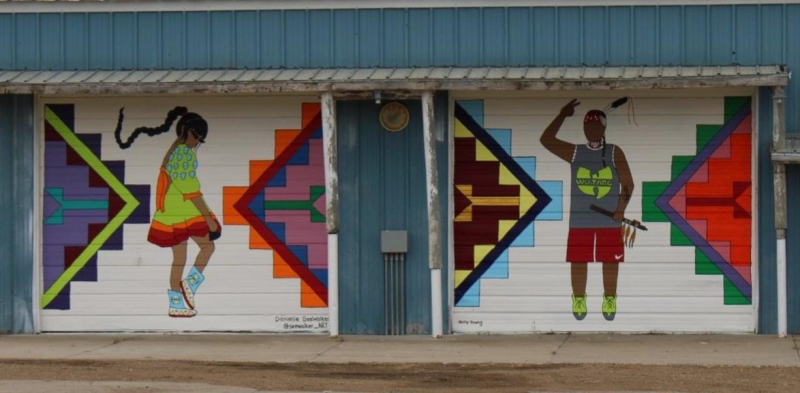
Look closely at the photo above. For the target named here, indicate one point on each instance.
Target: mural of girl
(181, 212)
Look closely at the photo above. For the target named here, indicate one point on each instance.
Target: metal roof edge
(437, 78)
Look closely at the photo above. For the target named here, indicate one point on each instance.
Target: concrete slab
(519, 349)
(52, 346)
(115, 387)
(744, 350)
(230, 348)
(533, 349)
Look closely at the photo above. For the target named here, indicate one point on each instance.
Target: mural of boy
(181, 212)
(602, 186)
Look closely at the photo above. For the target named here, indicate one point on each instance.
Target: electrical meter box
(394, 242)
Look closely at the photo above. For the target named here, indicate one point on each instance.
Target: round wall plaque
(394, 116)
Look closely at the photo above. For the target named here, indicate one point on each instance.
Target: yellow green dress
(176, 217)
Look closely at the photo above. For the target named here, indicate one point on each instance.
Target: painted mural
(99, 277)
(496, 202)
(181, 212)
(85, 204)
(601, 187)
(708, 201)
(690, 267)
(284, 206)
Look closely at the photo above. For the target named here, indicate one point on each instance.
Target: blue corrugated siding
(148, 40)
(542, 36)
(369, 38)
(620, 40)
(124, 42)
(721, 22)
(198, 53)
(420, 26)
(570, 37)
(16, 200)
(670, 45)
(444, 34)
(382, 187)
(520, 41)
(247, 39)
(545, 39)
(382, 184)
(100, 48)
(746, 35)
(222, 43)
(494, 39)
(595, 35)
(173, 44)
(696, 28)
(52, 41)
(7, 38)
(468, 33)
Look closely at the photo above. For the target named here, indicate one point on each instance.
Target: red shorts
(582, 247)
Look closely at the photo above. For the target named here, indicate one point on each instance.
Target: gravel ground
(415, 377)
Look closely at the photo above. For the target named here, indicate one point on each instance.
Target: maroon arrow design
(739, 211)
(460, 201)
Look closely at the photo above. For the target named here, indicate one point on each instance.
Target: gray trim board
(767, 258)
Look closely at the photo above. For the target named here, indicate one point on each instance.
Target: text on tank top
(593, 184)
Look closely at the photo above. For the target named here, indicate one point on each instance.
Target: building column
(779, 178)
(331, 208)
(434, 222)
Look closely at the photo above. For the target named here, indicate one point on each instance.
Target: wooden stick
(630, 222)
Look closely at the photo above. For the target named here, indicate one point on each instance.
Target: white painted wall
(658, 290)
(240, 293)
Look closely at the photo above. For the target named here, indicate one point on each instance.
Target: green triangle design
(703, 265)
(705, 133)
(97, 165)
(651, 190)
(733, 296)
(679, 163)
(732, 105)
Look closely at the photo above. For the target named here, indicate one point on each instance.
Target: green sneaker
(609, 307)
(579, 307)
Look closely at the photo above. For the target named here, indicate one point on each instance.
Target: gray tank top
(593, 184)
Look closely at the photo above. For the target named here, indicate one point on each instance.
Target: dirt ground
(417, 377)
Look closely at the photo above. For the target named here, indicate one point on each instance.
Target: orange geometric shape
(281, 269)
(257, 168)
(284, 139)
(230, 216)
(287, 143)
(257, 242)
(310, 110)
(309, 298)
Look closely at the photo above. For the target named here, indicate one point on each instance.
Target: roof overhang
(354, 81)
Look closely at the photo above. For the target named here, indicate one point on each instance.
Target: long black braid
(171, 117)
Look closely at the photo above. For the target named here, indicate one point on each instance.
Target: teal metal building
(53, 53)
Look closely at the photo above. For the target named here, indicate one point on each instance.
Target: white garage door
(537, 241)
(127, 246)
